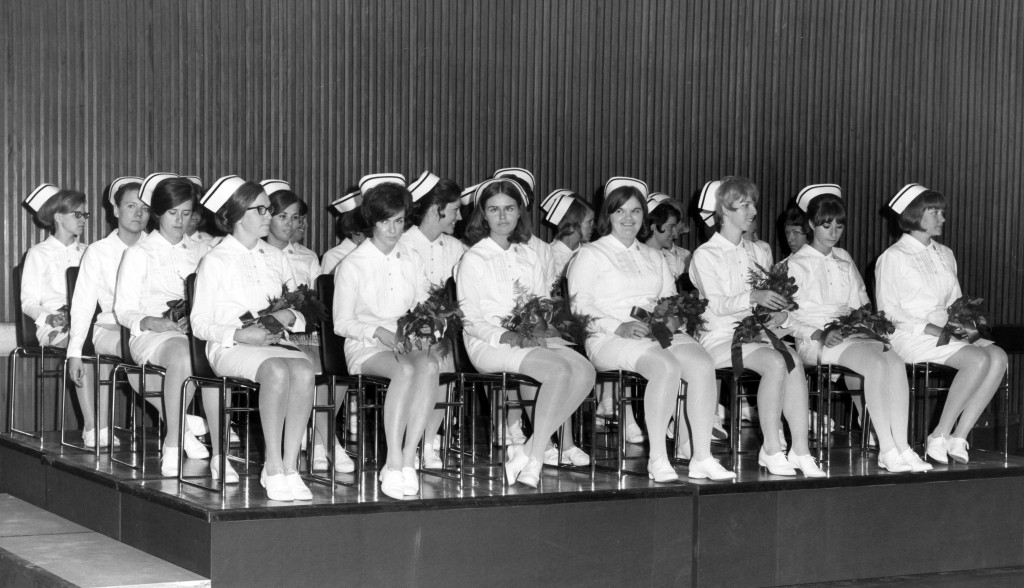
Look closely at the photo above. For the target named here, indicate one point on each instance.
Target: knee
(774, 366)
(664, 365)
(997, 359)
(697, 364)
(273, 373)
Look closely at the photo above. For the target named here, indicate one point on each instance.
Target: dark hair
(123, 189)
(64, 201)
(350, 223)
(658, 217)
(477, 227)
(910, 218)
(825, 209)
(444, 193)
(170, 193)
(614, 201)
(282, 199)
(236, 206)
(574, 217)
(794, 217)
(384, 201)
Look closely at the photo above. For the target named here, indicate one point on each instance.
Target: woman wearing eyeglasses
(239, 276)
(152, 273)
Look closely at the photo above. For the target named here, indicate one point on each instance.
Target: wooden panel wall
(869, 94)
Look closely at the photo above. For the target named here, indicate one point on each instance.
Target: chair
(620, 381)
(926, 373)
(126, 366)
(824, 376)
(335, 370)
(467, 375)
(92, 359)
(28, 346)
(203, 375)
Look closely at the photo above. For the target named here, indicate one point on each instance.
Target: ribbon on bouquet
(747, 332)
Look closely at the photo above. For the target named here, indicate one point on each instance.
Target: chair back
(201, 367)
(24, 327)
(70, 280)
(459, 354)
(332, 345)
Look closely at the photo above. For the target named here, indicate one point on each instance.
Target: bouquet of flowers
(532, 315)
(302, 299)
(427, 323)
(966, 321)
(60, 320)
(777, 279)
(573, 326)
(672, 313)
(863, 321)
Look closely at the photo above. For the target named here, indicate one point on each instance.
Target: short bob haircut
(477, 227)
(62, 202)
(795, 217)
(574, 217)
(614, 201)
(124, 189)
(826, 208)
(350, 223)
(732, 190)
(910, 218)
(170, 193)
(282, 199)
(236, 206)
(444, 193)
(384, 201)
(659, 216)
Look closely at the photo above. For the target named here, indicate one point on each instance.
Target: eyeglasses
(262, 210)
(80, 215)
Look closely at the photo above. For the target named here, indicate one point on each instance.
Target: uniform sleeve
(583, 276)
(209, 289)
(83, 303)
(547, 262)
(888, 277)
(955, 293)
(32, 278)
(668, 281)
(346, 292)
(132, 275)
(704, 275)
(472, 290)
(859, 292)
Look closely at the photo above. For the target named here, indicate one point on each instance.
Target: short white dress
(720, 271)
(152, 273)
(44, 285)
(829, 287)
(232, 280)
(607, 279)
(374, 290)
(487, 279)
(914, 285)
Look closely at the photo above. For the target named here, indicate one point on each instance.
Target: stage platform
(761, 530)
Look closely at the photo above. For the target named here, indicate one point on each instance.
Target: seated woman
(237, 277)
(496, 269)
(152, 273)
(794, 229)
(44, 278)
(916, 282)
(608, 278)
(97, 278)
(349, 226)
(665, 222)
(433, 215)
(720, 270)
(374, 286)
(830, 286)
(573, 220)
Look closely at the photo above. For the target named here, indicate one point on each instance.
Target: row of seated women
(389, 272)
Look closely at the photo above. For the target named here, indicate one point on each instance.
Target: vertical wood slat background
(870, 94)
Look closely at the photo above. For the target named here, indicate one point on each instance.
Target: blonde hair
(732, 190)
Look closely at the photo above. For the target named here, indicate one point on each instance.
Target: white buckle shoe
(893, 462)
(777, 464)
(410, 482)
(343, 464)
(634, 434)
(320, 463)
(391, 483)
(575, 456)
(915, 462)
(936, 450)
(517, 460)
(709, 468)
(957, 449)
(193, 448)
(230, 475)
(430, 457)
(169, 461)
(806, 464)
(661, 471)
(276, 485)
(514, 433)
(530, 474)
